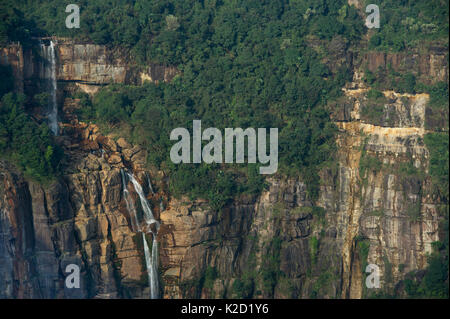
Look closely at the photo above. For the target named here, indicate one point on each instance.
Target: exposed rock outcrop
(430, 67)
(393, 213)
(79, 219)
(279, 244)
(88, 65)
(12, 56)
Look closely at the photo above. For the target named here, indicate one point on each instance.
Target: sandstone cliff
(87, 65)
(79, 219)
(371, 209)
(320, 255)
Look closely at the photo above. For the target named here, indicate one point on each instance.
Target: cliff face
(97, 65)
(87, 65)
(390, 212)
(371, 209)
(79, 219)
(376, 206)
(13, 56)
(430, 67)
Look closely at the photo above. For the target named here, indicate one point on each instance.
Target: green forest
(23, 140)
(244, 64)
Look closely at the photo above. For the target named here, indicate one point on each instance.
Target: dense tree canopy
(29, 145)
(243, 64)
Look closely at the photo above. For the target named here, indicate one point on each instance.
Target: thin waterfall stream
(151, 258)
(130, 205)
(49, 72)
(149, 183)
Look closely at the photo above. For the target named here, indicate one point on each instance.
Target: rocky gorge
(279, 244)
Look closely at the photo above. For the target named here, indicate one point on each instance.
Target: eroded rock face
(89, 65)
(379, 215)
(431, 67)
(12, 56)
(37, 239)
(319, 255)
(96, 65)
(279, 244)
(79, 219)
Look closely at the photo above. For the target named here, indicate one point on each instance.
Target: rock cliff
(87, 65)
(318, 248)
(371, 209)
(78, 219)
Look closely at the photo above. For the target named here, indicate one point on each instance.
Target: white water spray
(149, 183)
(148, 215)
(154, 283)
(50, 75)
(151, 259)
(130, 205)
(152, 266)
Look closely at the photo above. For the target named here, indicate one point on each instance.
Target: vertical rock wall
(278, 244)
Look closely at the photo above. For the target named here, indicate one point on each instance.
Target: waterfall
(148, 263)
(154, 283)
(151, 259)
(50, 75)
(152, 266)
(148, 215)
(149, 184)
(130, 205)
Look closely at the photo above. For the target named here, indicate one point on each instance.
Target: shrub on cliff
(25, 143)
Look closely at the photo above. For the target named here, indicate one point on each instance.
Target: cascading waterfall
(151, 259)
(152, 266)
(148, 215)
(148, 264)
(130, 205)
(149, 183)
(154, 283)
(50, 74)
